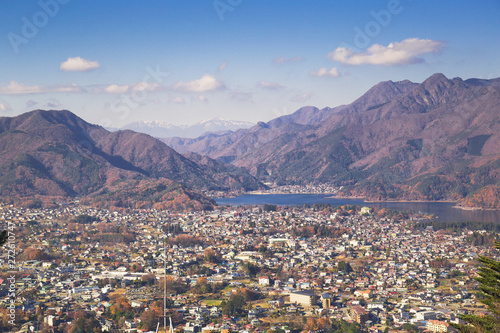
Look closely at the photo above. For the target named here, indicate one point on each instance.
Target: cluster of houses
(377, 272)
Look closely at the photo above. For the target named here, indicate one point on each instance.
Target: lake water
(444, 211)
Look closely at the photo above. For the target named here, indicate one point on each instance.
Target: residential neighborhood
(236, 269)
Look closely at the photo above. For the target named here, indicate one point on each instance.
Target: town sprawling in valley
(236, 269)
(233, 166)
(118, 231)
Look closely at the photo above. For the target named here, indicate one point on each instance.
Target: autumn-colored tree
(156, 306)
(176, 317)
(212, 256)
(148, 278)
(201, 281)
(34, 254)
(323, 322)
(486, 197)
(83, 322)
(201, 286)
(121, 305)
(248, 294)
(175, 286)
(311, 324)
(137, 268)
(149, 319)
(185, 240)
(78, 314)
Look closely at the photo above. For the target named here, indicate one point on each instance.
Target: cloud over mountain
(205, 84)
(397, 53)
(435, 140)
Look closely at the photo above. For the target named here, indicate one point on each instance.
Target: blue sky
(185, 61)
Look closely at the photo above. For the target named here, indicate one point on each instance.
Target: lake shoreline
(457, 206)
(474, 208)
(346, 197)
(444, 210)
(410, 201)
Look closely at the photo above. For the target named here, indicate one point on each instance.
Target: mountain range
(160, 129)
(435, 140)
(56, 153)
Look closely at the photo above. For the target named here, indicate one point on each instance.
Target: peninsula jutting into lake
(440, 211)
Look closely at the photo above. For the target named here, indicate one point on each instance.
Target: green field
(212, 302)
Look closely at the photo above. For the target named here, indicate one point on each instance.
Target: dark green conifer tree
(489, 279)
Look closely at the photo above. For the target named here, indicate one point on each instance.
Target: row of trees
(319, 231)
(331, 326)
(458, 227)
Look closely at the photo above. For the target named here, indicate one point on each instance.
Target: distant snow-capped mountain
(162, 129)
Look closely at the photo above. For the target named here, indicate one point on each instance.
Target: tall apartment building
(303, 297)
(438, 326)
(358, 314)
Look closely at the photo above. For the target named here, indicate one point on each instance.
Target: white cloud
(66, 88)
(283, 60)
(178, 100)
(332, 72)
(31, 103)
(53, 103)
(301, 98)
(146, 86)
(15, 88)
(222, 66)
(202, 98)
(78, 64)
(116, 89)
(397, 53)
(205, 84)
(5, 107)
(270, 85)
(121, 89)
